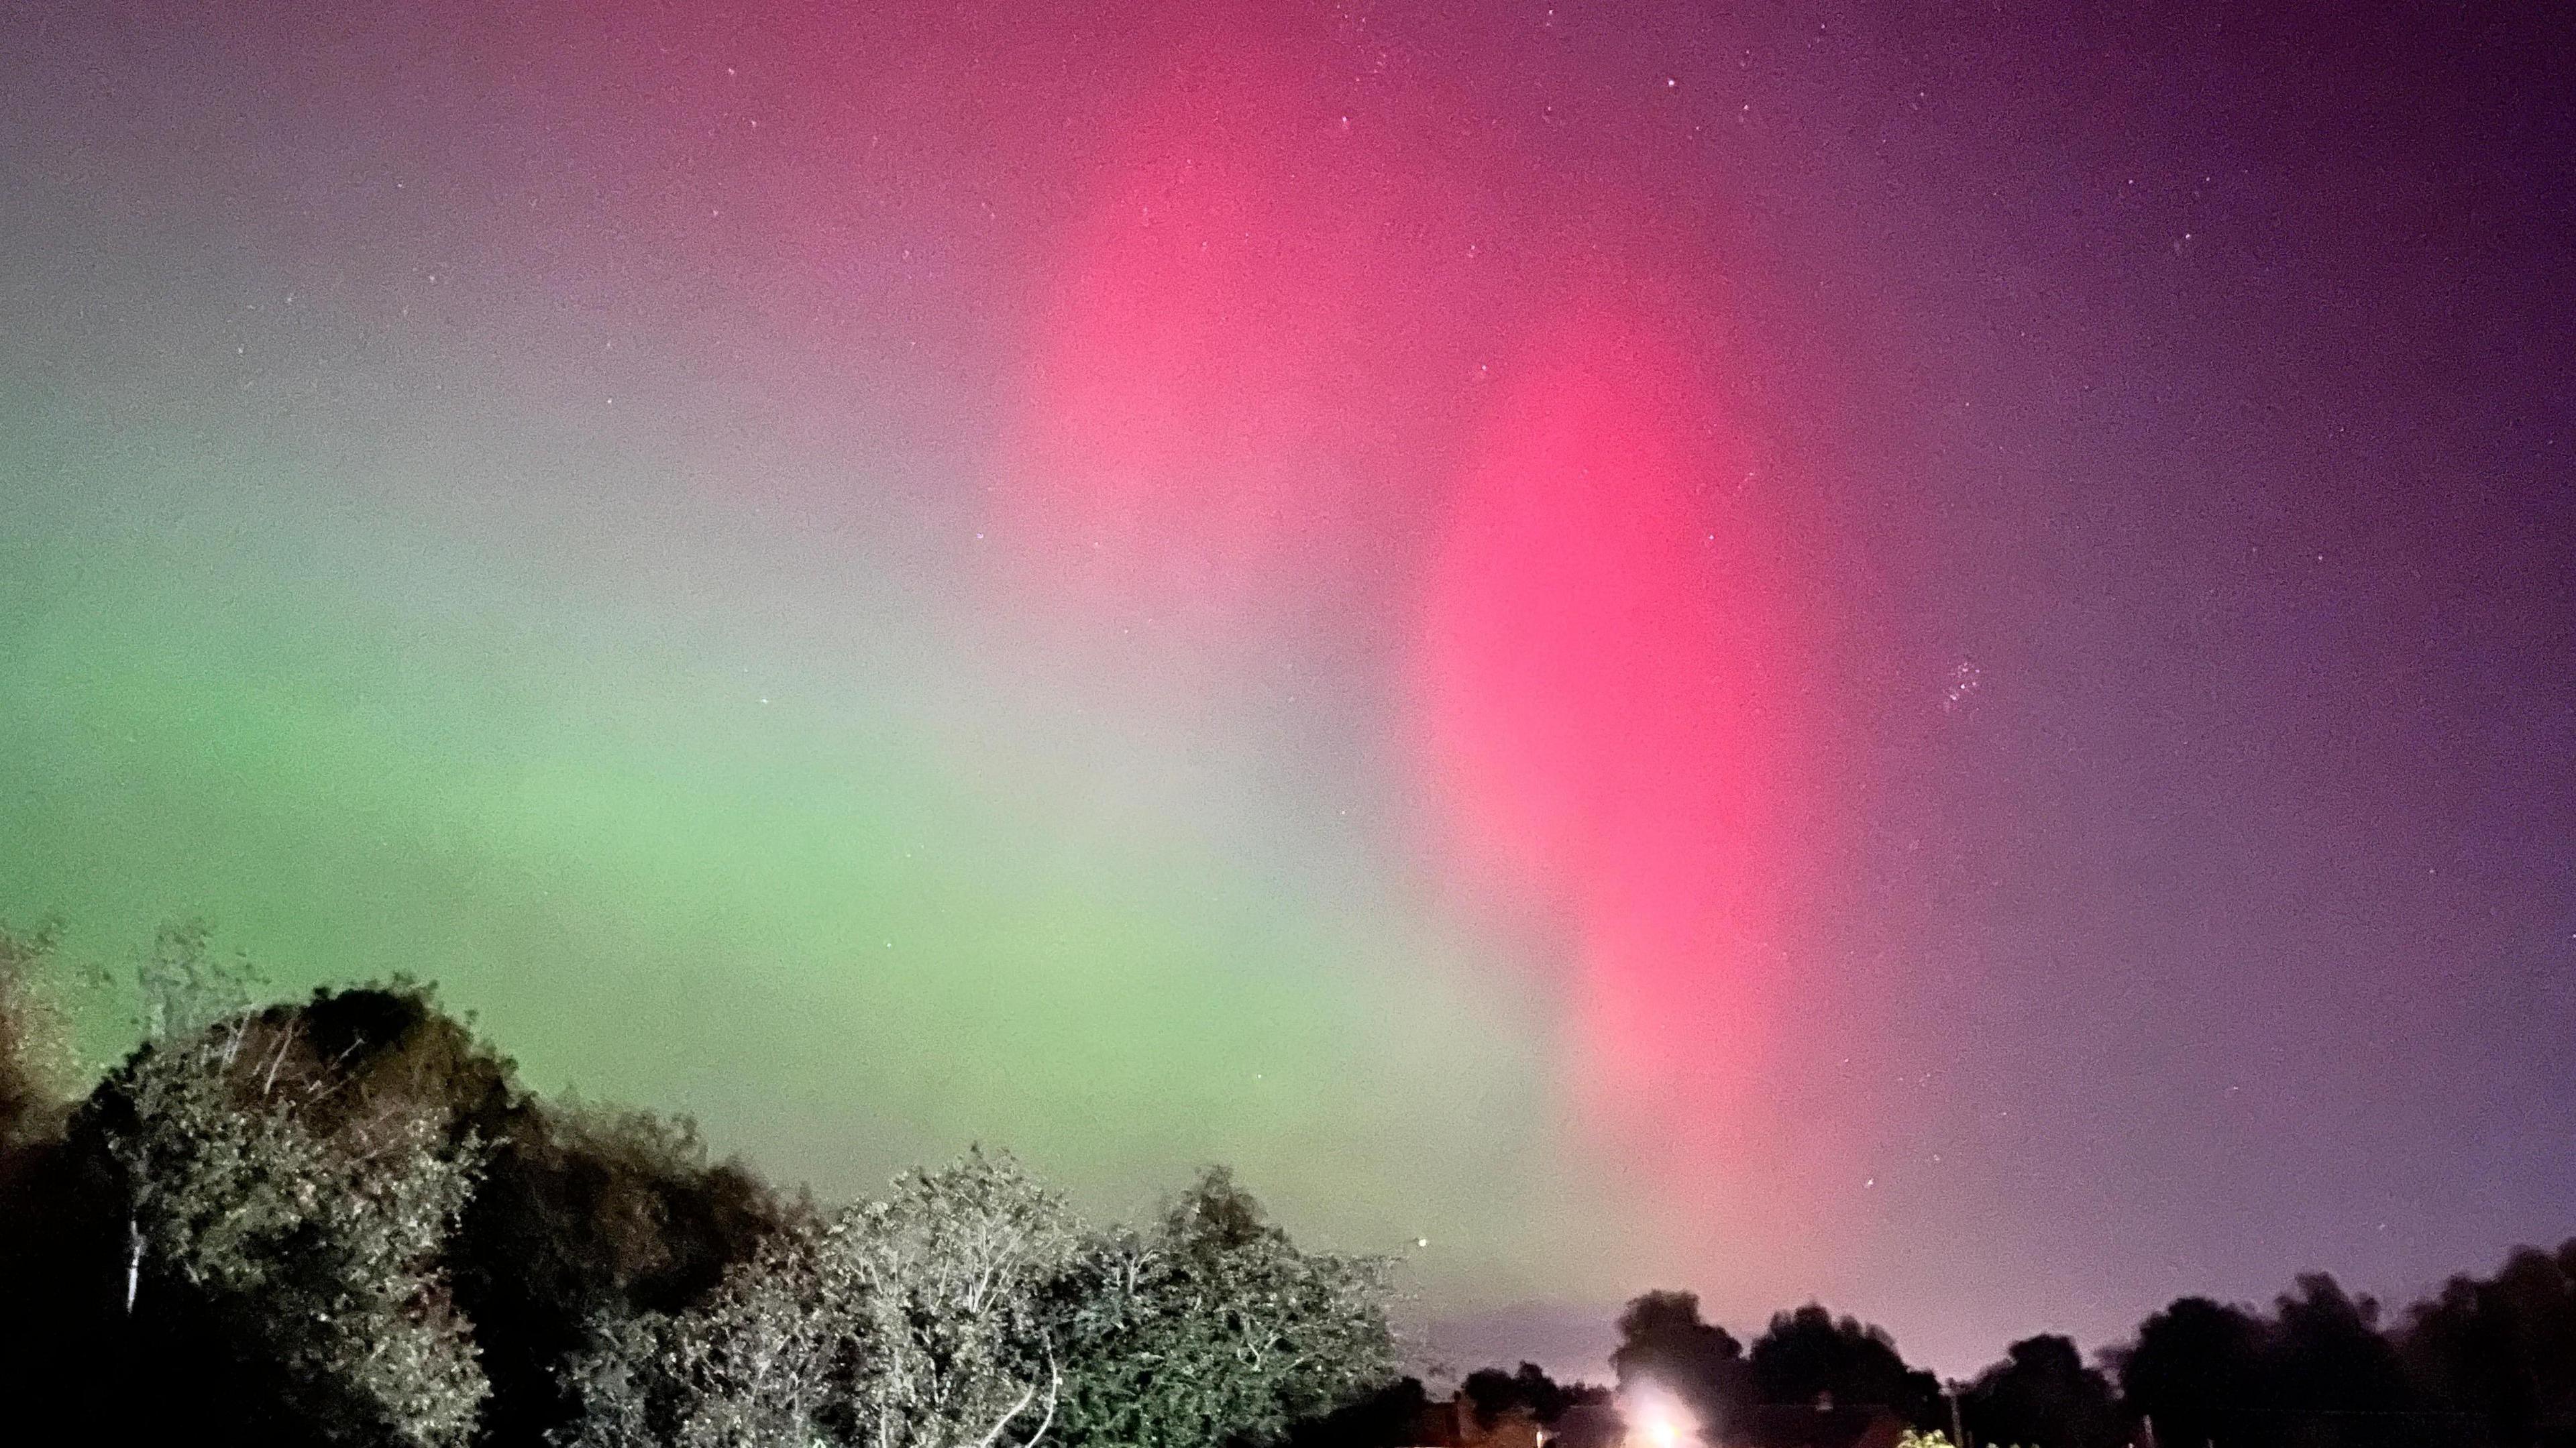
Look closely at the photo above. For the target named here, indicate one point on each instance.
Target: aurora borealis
(1907, 655)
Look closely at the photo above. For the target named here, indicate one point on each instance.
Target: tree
(1530, 1390)
(1663, 1342)
(944, 1288)
(2197, 1372)
(2043, 1396)
(183, 987)
(35, 1054)
(301, 1217)
(1809, 1353)
(920, 1321)
(2338, 1378)
(1389, 1417)
(968, 1310)
(2502, 1351)
(763, 1362)
(1215, 1328)
(585, 1218)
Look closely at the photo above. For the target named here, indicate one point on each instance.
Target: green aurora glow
(693, 858)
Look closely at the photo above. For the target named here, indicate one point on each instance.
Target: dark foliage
(584, 1214)
(576, 1213)
(2329, 1362)
(1663, 1340)
(2490, 1363)
(2196, 1370)
(1389, 1417)
(1805, 1356)
(1809, 1354)
(2501, 1353)
(2042, 1395)
(1496, 1394)
(2322, 1370)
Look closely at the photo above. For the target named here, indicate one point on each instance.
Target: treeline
(2487, 1363)
(344, 1222)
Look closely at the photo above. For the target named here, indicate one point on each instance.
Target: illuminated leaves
(969, 1310)
(1215, 1327)
(307, 1218)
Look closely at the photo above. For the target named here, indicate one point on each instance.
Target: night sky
(1922, 654)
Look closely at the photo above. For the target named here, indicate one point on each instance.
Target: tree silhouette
(2043, 1396)
(2196, 1371)
(1808, 1353)
(1664, 1342)
(2502, 1351)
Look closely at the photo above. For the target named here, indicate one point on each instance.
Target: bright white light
(1656, 1419)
